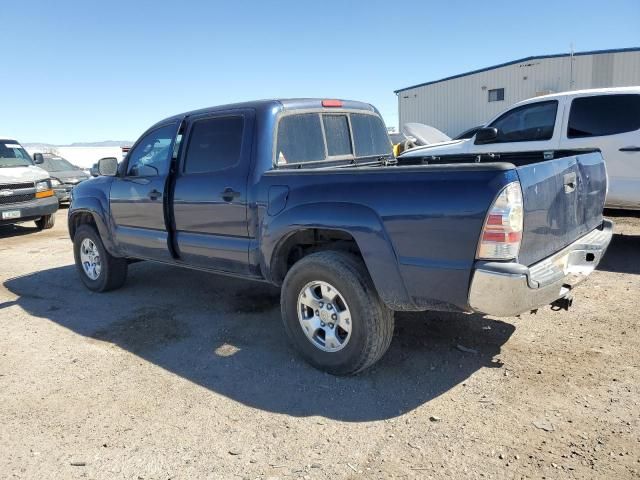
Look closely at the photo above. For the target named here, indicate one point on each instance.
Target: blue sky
(90, 70)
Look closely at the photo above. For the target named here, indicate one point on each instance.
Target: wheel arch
(92, 213)
(334, 226)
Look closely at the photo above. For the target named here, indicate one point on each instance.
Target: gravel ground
(185, 375)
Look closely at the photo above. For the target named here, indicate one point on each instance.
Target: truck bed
(432, 216)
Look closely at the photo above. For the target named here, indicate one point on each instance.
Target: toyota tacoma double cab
(306, 194)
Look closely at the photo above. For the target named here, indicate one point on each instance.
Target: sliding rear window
(313, 137)
(336, 130)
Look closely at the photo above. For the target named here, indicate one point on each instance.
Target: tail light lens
(502, 231)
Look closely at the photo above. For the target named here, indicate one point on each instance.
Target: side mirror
(38, 159)
(486, 135)
(107, 166)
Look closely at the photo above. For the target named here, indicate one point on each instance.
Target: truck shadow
(226, 335)
(623, 255)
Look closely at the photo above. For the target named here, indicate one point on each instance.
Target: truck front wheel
(333, 314)
(98, 270)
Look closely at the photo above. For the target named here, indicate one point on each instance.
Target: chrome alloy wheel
(324, 316)
(90, 259)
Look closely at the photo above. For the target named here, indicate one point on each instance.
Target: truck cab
(26, 193)
(604, 119)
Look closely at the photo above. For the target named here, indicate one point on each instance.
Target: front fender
(92, 197)
(361, 222)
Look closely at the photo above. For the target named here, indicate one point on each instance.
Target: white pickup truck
(604, 119)
(25, 189)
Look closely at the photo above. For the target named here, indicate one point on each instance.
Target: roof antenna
(571, 66)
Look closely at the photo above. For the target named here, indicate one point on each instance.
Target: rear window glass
(604, 115)
(336, 130)
(300, 139)
(369, 135)
(214, 144)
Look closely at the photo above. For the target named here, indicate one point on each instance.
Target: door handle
(228, 194)
(630, 149)
(570, 182)
(154, 194)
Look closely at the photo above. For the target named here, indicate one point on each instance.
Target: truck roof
(579, 93)
(282, 103)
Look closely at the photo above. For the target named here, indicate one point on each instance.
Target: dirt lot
(186, 375)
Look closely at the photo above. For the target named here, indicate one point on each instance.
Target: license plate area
(10, 214)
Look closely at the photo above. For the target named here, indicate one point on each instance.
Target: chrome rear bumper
(508, 289)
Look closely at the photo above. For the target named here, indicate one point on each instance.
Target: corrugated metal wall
(460, 103)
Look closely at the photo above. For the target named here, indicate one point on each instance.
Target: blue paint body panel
(417, 227)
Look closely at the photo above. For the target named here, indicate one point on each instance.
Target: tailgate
(563, 200)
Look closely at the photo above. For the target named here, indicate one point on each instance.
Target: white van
(607, 119)
(25, 189)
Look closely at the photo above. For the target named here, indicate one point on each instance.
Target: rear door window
(214, 144)
(300, 139)
(602, 115)
(369, 135)
(528, 123)
(336, 130)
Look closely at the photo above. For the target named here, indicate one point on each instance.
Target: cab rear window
(314, 137)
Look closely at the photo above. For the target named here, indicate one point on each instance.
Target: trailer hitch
(562, 303)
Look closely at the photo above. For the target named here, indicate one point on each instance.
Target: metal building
(456, 103)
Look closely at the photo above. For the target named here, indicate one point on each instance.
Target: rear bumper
(508, 289)
(31, 210)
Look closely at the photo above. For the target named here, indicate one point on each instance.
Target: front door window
(151, 155)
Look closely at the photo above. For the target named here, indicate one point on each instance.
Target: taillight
(502, 232)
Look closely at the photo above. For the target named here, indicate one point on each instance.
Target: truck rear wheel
(46, 222)
(333, 314)
(98, 270)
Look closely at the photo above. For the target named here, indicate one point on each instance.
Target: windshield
(57, 164)
(313, 137)
(13, 155)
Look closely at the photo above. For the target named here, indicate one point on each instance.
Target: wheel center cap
(325, 316)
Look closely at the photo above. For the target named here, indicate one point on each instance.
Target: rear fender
(361, 223)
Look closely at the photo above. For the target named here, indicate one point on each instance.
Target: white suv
(607, 119)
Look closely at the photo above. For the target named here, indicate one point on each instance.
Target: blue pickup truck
(306, 194)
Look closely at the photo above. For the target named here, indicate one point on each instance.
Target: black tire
(113, 270)
(372, 322)
(46, 222)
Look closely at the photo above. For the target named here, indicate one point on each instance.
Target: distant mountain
(106, 143)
